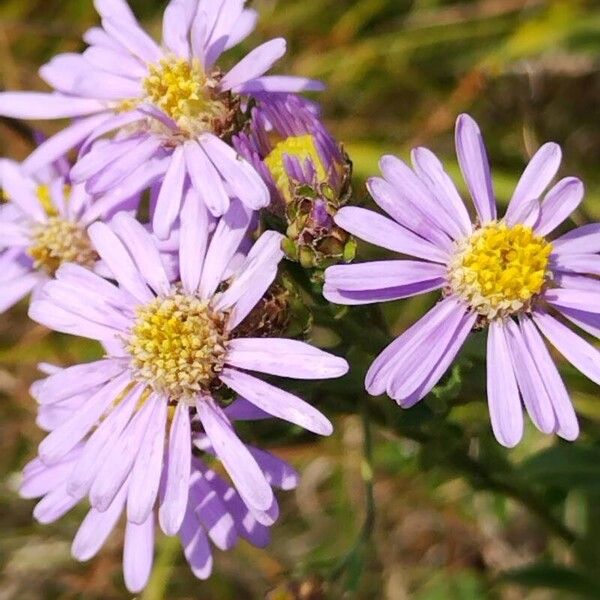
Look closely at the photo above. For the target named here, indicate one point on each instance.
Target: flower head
(173, 110)
(214, 511)
(174, 359)
(504, 274)
(308, 174)
(44, 223)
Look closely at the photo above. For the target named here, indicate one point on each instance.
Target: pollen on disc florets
(499, 270)
(44, 196)
(186, 94)
(59, 241)
(302, 147)
(177, 345)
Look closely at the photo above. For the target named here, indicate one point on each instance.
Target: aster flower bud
(312, 237)
(281, 311)
(309, 176)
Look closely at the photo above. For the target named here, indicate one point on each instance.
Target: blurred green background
(420, 505)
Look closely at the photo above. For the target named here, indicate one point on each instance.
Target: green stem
(366, 530)
(351, 328)
(161, 574)
(368, 474)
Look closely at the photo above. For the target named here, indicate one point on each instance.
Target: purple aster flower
(43, 225)
(290, 147)
(505, 274)
(173, 109)
(307, 173)
(214, 511)
(172, 352)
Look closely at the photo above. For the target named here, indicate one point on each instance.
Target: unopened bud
(279, 312)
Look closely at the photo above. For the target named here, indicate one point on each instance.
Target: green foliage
(565, 467)
(546, 575)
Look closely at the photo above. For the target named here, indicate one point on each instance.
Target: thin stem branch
(168, 548)
(366, 530)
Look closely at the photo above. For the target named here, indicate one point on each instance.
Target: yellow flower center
(177, 345)
(59, 241)
(183, 91)
(498, 270)
(302, 147)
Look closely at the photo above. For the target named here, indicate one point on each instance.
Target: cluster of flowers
(152, 244)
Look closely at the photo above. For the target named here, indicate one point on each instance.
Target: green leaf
(442, 394)
(565, 467)
(556, 577)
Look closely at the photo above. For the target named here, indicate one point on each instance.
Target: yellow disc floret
(177, 345)
(59, 241)
(45, 198)
(302, 147)
(499, 270)
(176, 86)
(181, 89)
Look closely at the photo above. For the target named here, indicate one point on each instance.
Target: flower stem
(366, 530)
(166, 558)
